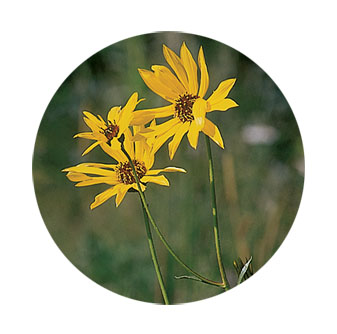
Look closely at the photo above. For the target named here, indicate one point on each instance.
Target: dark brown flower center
(111, 131)
(183, 107)
(125, 173)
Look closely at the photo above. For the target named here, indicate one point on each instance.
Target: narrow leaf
(244, 270)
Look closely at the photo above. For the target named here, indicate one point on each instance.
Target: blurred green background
(259, 175)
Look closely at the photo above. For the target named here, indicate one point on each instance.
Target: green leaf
(244, 270)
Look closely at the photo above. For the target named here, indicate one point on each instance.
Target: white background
(43, 41)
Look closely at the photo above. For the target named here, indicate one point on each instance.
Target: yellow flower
(120, 176)
(188, 106)
(106, 134)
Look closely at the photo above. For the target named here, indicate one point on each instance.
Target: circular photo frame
(168, 168)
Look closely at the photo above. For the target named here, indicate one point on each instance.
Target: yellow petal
(193, 135)
(156, 130)
(104, 196)
(161, 139)
(91, 147)
(137, 128)
(142, 186)
(213, 132)
(96, 134)
(132, 103)
(191, 69)
(223, 105)
(91, 168)
(114, 150)
(139, 149)
(98, 180)
(96, 164)
(148, 157)
(87, 169)
(86, 135)
(76, 177)
(129, 144)
(174, 143)
(174, 169)
(204, 78)
(126, 114)
(151, 139)
(174, 61)
(93, 122)
(124, 123)
(121, 193)
(221, 92)
(163, 127)
(142, 134)
(141, 117)
(113, 115)
(161, 179)
(199, 110)
(154, 83)
(167, 78)
(101, 119)
(167, 169)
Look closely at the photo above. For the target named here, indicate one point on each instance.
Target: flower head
(120, 176)
(106, 134)
(186, 95)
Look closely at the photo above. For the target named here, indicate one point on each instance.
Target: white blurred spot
(259, 134)
(299, 165)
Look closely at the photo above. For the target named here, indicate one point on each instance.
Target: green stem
(215, 214)
(148, 232)
(171, 251)
(160, 235)
(154, 257)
